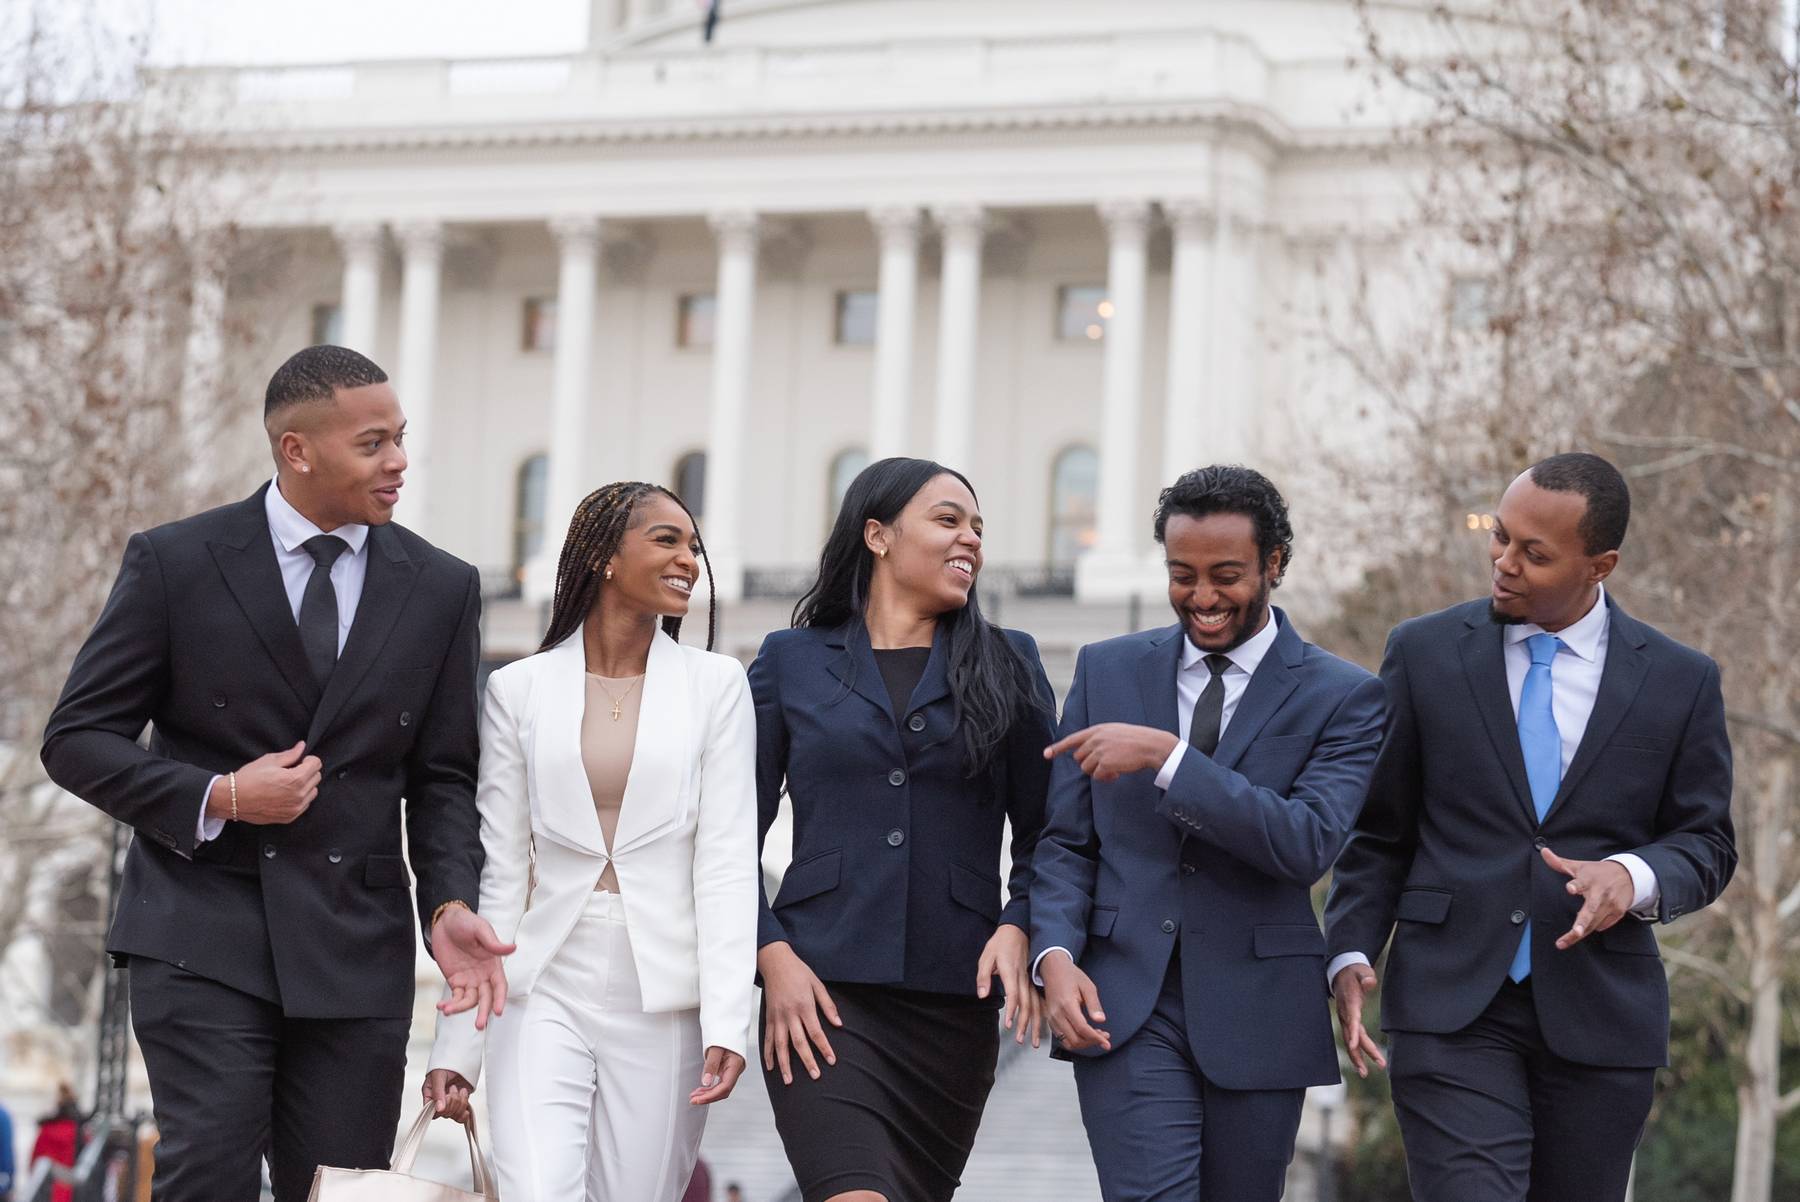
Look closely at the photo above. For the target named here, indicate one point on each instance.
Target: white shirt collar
(291, 528)
(1245, 656)
(1583, 638)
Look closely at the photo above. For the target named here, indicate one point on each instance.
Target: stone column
(1196, 428)
(958, 317)
(361, 297)
(415, 379)
(898, 229)
(737, 233)
(571, 395)
(201, 367)
(1110, 569)
(1236, 297)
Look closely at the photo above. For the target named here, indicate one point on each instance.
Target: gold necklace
(618, 712)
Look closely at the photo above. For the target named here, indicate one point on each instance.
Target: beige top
(608, 734)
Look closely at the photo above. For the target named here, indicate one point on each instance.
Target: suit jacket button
(897, 777)
(335, 856)
(1540, 843)
(342, 773)
(268, 851)
(218, 701)
(1168, 925)
(916, 722)
(406, 717)
(1188, 870)
(1518, 916)
(896, 837)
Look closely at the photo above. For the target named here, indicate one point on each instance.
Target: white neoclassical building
(1070, 248)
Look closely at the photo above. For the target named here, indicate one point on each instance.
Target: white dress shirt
(1575, 683)
(290, 529)
(1191, 678)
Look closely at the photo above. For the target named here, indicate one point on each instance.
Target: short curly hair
(315, 374)
(1232, 488)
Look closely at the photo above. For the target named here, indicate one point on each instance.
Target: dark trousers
(233, 1081)
(1161, 1132)
(1489, 1114)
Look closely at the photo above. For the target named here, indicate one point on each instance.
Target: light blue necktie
(1542, 744)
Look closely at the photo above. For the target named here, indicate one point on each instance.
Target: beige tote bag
(398, 1183)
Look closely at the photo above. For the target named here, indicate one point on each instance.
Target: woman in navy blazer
(908, 730)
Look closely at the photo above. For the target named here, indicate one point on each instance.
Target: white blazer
(684, 850)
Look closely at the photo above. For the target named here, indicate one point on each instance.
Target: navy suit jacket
(1448, 844)
(1223, 860)
(895, 878)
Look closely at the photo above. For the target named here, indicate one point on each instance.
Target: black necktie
(318, 606)
(1209, 710)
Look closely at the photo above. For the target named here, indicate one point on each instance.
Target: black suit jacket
(1446, 856)
(199, 641)
(895, 878)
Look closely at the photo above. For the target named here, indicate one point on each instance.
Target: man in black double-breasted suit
(1555, 777)
(302, 665)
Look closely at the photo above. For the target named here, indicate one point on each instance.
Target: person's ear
(292, 452)
(1601, 566)
(877, 538)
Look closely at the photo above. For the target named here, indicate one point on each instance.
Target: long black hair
(990, 682)
(600, 521)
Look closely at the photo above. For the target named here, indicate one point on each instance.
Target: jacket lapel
(855, 665)
(934, 685)
(1268, 689)
(559, 782)
(654, 788)
(1484, 661)
(1157, 667)
(387, 583)
(1620, 680)
(247, 562)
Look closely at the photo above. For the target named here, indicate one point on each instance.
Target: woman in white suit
(618, 813)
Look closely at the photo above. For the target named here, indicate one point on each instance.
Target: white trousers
(590, 1094)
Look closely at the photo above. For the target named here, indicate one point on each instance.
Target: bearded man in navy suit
(1206, 776)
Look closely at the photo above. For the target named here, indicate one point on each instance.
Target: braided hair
(599, 524)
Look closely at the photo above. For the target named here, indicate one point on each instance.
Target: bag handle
(481, 1173)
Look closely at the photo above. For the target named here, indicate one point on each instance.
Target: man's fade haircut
(1232, 488)
(1602, 527)
(315, 374)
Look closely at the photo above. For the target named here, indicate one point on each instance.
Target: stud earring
(609, 573)
(304, 468)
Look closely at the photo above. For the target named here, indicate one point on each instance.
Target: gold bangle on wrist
(232, 778)
(439, 912)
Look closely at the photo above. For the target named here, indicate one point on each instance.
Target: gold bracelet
(439, 912)
(232, 778)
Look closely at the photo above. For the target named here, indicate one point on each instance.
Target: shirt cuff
(1645, 891)
(1038, 980)
(1166, 776)
(207, 829)
(1340, 963)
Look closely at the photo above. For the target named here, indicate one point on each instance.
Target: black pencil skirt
(898, 1112)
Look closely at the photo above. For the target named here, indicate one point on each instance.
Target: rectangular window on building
(695, 320)
(328, 325)
(855, 324)
(1471, 303)
(1081, 312)
(539, 332)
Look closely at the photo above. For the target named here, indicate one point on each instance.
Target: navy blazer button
(218, 701)
(1168, 926)
(268, 851)
(1540, 843)
(343, 772)
(916, 722)
(335, 856)
(1518, 916)
(896, 777)
(406, 717)
(1188, 870)
(896, 837)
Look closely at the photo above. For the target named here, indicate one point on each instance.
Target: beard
(1505, 619)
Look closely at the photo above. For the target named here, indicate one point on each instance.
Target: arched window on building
(1074, 487)
(690, 481)
(528, 512)
(844, 467)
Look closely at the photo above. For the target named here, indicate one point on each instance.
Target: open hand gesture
(468, 953)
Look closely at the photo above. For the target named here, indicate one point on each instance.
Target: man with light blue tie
(1555, 777)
